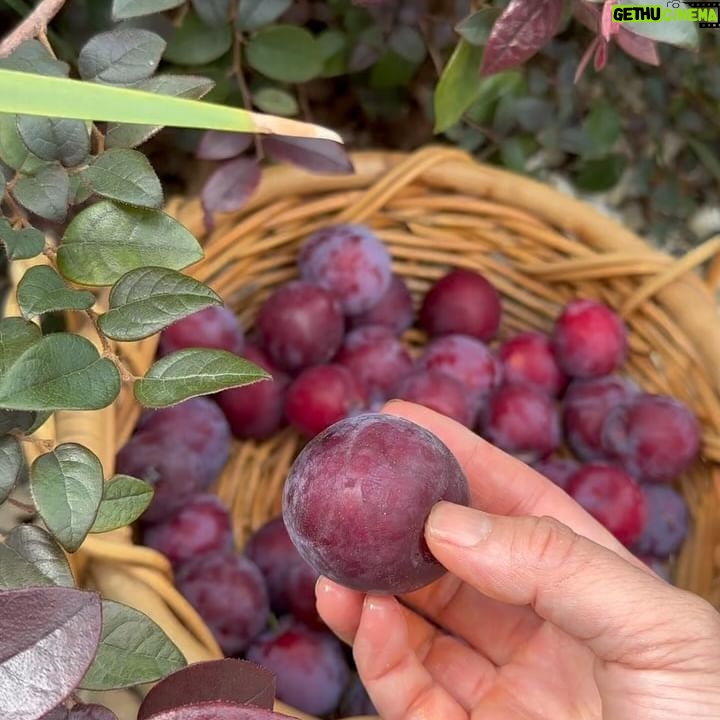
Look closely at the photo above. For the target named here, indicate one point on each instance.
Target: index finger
(501, 484)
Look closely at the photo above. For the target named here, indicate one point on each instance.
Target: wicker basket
(434, 209)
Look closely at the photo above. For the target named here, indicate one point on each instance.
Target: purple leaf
(49, 638)
(217, 711)
(313, 155)
(601, 55)
(231, 185)
(91, 712)
(640, 48)
(522, 29)
(217, 145)
(232, 681)
(587, 14)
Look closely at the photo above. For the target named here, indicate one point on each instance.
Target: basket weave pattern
(434, 209)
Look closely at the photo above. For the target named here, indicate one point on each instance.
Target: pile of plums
(332, 341)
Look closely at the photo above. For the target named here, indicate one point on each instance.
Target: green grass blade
(29, 94)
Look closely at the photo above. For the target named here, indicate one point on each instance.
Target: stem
(99, 140)
(237, 71)
(27, 509)
(107, 351)
(44, 445)
(17, 212)
(35, 23)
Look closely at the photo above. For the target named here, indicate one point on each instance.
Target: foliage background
(638, 141)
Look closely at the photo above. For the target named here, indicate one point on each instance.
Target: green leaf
(125, 499)
(458, 86)
(333, 46)
(67, 141)
(195, 43)
(475, 29)
(147, 300)
(21, 244)
(600, 174)
(124, 9)
(408, 43)
(124, 175)
(30, 557)
(106, 240)
(32, 57)
(24, 422)
(13, 151)
(26, 94)
(286, 53)
(59, 372)
(42, 290)
(46, 194)
(12, 464)
(187, 86)
(122, 56)
(79, 190)
(254, 14)
(16, 336)
(602, 129)
(192, 372)
(682, 33)
(67, 487)
(276, 101)
(212, 12)
(133, 650)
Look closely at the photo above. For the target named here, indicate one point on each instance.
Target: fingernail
(458, 525)
(322, 586)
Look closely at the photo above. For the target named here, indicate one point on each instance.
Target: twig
(107, 350)
(35, 23)
(27, 509)
(40, 443)
(17, 211)
(237, 71)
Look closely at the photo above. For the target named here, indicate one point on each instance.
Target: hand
(538, 617)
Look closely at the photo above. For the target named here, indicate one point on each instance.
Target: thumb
(586, 590)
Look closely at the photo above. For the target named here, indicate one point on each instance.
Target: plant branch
(237, 71)
(34, 24)
(27, 509)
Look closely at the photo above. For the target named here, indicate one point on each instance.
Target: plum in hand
(357, 497)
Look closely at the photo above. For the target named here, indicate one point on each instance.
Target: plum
(667, 522)
(357, 496)
(437, 391)
(310, 667)
(462, 302)
(213, 327)
(528, 359)
(299, 325)
(272, 550)
(355, 700)
(179, 451)
(522, 421)
(654, 437)
(322, 395)
(394, 309)
(589, 339)
(228, 592)
(257, 411)
(558, 470)
(350, 262)
(612, 497)
(469, 361)
(201, 525)
(585, 406)
(301, 581)
(377, 358)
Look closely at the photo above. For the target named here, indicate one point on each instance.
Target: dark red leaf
(230, 186)
(217, 145)
(601, 55)
(522, 29)
(217, 711)
(91, 712)
(49, 638)
(587, 14)
(232, 681)
(640, 48)
(311, 154)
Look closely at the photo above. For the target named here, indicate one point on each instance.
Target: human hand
(538, 616)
